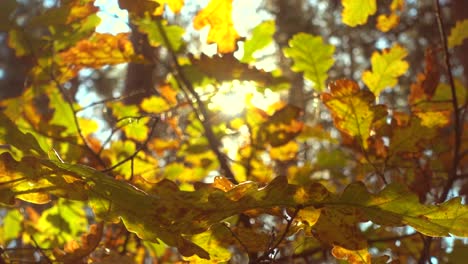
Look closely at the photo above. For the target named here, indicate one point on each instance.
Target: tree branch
(203, 115)
(425, 253)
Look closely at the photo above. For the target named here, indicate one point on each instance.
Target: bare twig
(315, 250)
(456, 115)
(237, 238)
(203, 114)
(112, 99)
(75, 120)
(269, 254)
(425, 253)
(131, 157)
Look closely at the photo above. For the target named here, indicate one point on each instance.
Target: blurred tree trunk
(141, 77)
(287, 24)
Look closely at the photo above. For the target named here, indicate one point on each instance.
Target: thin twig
(131, 157)
(112, 99)
(425, 253)
(203, 116)
(237, 238)
(275, 246)
(315, 250)
(41, 251)
(456, 115)
(75, 119)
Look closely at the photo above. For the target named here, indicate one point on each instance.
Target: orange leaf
(352, 256)
(169, 94)
(99, 50)
(386, 23)
(218, 15)
(80, 10)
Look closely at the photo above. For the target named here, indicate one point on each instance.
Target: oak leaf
(353, 110)
(458, 34)
(218, 15)
(386, 68)
(356, 12)
(311, 56)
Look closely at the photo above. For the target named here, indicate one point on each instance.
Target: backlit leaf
(262, 36)
(458, 34)
(353, 110)
(174, 33)
(212, 241)
(218, 15)
(227, 67)
(356, 12)
(74, 253)
(174, 5)
(281, 127)
(101, 49)
(311, 56)
(154, 104)
(11, 226)
(387, 22)
(386, 68)
(395, 206)
(361, 256)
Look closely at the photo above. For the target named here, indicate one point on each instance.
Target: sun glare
(230, 98)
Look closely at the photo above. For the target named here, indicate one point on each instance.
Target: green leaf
(386, 68)
(311, 56)
(63, 114)
(458, 34)
(356, 12)
(354, 111)
(149, 26)
(24, 142)
(396, 206)
(64, 221)
(262, 36)
(210, 240)
(407, 138)
(131, 121)
(12, 226)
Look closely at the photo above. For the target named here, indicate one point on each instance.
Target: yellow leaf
(356, 12)
(352, 256)
(285, 152)
(87, 126)
(174, 5)
(386, 68)
(458, 33)
(434, 118)
(386, 23)
(155, 105)
(218, 15)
